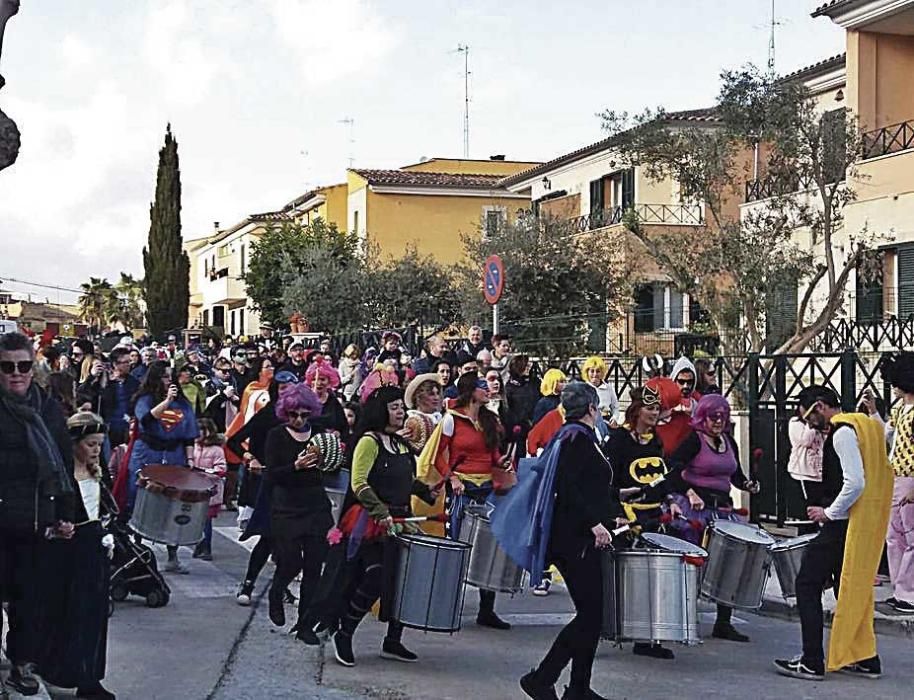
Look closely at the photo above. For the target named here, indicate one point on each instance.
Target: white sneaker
(542, 589)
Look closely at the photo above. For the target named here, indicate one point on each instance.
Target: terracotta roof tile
(411, 178)
(704, 115)
(823, 66)
(832, 4)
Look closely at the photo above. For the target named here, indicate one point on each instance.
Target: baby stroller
(134, 570)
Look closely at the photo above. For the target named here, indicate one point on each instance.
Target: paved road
(204, 646)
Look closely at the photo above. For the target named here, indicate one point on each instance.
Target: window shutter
(905, 281)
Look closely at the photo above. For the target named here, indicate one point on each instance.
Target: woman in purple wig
(705, 466)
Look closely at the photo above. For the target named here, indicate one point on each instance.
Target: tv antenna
(774, 24)
(465, 50)
(350, 122)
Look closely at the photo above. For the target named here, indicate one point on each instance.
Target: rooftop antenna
(350, 122)
(465, 50)
(774, 23)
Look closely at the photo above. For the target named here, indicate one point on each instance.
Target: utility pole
(465, 50)
(350, 122)
(774, 23)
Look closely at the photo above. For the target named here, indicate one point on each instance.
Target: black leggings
(305, 554)
(366, 588)
(578, 640)
(822, 561)
(258, 558)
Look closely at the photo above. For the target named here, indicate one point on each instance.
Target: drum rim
(431, 541)
(790, 543)
(694, 551)
(722, 526)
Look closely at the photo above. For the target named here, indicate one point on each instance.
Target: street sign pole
(493, 284)
(494, 319)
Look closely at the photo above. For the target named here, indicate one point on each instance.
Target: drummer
(382, 481)
(637, 454)
(466, 453)
(705, 466)
(167, 430)
(585, 511)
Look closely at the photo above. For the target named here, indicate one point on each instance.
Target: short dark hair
(117, 354)
(374, 416)
(11, 342)
(496, 339)
(518, 364)
(577, 397)
(816, 392)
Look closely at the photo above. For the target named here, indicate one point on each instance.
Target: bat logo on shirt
(646, 470)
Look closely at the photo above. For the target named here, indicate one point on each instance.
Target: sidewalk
(887, 621)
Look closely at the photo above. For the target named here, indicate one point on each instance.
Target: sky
(256, 92)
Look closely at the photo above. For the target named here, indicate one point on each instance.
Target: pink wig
(325, 369)
(710, 405)
(378, 377)
(297, 398)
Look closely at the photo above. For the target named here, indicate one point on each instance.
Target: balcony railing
(674, 214)
(773, 186)
(888, 139)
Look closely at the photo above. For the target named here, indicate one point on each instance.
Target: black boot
(203, 551)
(572, 693)
(655, 651)
(95, 692)
(277, 612)
(537, 689)
(486, 616)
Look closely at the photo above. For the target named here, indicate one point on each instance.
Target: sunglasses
(717, 418)
(685, 382)
(23, 367)
(298, 414)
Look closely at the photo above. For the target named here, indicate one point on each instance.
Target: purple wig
(297, 397)
(710, 405)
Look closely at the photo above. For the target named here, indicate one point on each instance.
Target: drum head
(183, 479)
(794, 542)
(743, 532)
(667, 543)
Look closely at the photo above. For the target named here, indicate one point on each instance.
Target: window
(781, 319)
(905, 281)
(623, 189)
(493, 220)
(241, 257)
(241, 321)
(674, 309)
(597, 202)
(644, 308)
(355, 221)
(659, 307)
(869, 288)
(232, 317)
(218, 317)
(205, 318)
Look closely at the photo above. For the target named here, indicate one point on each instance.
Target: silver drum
(172, 504)
(428, 585)
(657, 585)
(490, 567)
(788, 556)
(739, 558)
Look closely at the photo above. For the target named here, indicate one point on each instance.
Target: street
(203, 645)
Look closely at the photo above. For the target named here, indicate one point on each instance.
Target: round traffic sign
(493, 279)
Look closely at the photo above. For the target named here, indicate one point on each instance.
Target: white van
(8, 326)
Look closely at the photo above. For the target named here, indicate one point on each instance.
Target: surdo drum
(336, 485)
(490, 567)
(171, 504)
(787, 556)
(428, 582)
(650, 592)
(739, 558)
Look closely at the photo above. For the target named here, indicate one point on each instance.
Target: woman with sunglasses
(300, 514)
(705, 466)
(468, 451)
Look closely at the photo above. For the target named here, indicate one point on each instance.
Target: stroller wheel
(110, 607)
(119, 592)
(156, 599)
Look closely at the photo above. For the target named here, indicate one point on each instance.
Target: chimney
(216, 225)
(498, 157)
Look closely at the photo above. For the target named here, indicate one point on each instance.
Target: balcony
(223, 289)
(664, 214)
(888, 140)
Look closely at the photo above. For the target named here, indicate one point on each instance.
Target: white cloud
(331, 40)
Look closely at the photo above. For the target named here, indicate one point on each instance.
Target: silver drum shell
(656, 597)
(428, 588)
(490, 567)
(787, 556)
(162, 519)
(737, 570)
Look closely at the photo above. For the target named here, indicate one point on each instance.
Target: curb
(890, 625)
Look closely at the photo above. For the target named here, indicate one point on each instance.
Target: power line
(58, 288)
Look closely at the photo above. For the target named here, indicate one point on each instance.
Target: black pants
(258, 558)
(822, 560)
(305, 553)
(17, 571)
(365, 589)
(812, 492)
(578, 640)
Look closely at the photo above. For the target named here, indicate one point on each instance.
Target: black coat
(104, 394)
(584, 496)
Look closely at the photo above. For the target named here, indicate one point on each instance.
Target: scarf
(27, 411)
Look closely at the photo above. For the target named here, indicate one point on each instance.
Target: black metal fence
(888, 139)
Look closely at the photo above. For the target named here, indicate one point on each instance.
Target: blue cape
(522, 519)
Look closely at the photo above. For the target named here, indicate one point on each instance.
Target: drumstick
(422, 518)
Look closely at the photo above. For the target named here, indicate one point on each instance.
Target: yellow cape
(425, 471)
(852, 636)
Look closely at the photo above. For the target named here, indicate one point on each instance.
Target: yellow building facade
(432, 204)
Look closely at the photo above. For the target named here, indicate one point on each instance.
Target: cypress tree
(166, 264)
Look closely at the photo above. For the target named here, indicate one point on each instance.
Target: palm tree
(95, 302)
(131, 305)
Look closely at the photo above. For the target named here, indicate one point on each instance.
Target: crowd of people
(269, 420)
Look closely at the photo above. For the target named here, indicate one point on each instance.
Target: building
(218, 296)
(37, 317)
(874, 80)
(593, 187)
(432, 203)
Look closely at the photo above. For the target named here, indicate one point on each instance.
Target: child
(209, 457)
